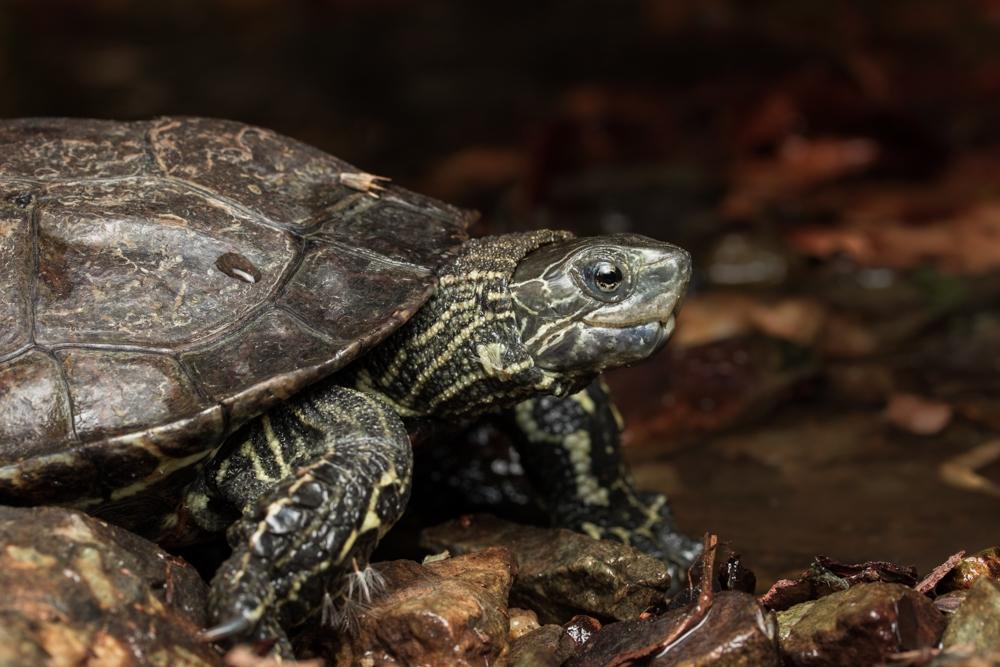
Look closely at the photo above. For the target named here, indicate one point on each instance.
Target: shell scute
(419, 236)
(35, 415)
(256, 360)
(134, 262)
(348, 278)
(115, 392)
(16, 267)
(282, 180)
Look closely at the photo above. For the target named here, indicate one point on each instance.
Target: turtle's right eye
(607, 276)
(606, 279)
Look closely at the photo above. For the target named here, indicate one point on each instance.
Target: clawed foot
(645, 523)
(342, 608)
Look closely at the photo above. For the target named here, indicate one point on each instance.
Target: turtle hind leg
(569, 448)
(318, 481)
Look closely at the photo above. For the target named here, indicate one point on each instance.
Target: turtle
(208, 327)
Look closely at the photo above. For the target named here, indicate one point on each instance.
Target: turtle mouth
(609, 346)
(663, 332)
(664, 327)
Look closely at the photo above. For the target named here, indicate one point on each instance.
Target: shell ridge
(301, 321)
(18, 353)
(254, 216)
(108, 347)
(32, 296)
(66, 390)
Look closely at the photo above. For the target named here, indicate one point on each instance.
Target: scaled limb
(316, 482)
(569, 448)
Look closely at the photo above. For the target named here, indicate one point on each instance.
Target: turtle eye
(607, 276)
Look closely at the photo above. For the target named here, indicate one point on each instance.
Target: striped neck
(462, 353)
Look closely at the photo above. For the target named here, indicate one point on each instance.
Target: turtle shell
(162, 282)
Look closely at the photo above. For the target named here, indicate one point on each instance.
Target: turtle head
(524, 314)
(588, 304)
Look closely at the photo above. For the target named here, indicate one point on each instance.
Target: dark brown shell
(164, 281)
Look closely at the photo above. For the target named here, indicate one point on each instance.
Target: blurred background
(834, 386)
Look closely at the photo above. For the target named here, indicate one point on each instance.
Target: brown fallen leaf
(961, 471)
(707, 318)
(797, 320)
(927, 584)
(963, 242)
(826, 576)
(917, 414)
(799, 164)
(713, 317)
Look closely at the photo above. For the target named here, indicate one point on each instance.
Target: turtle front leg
(569, 448)
(317, 482)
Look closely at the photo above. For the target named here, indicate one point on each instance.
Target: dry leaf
(918, 415)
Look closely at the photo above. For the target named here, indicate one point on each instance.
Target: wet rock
(985, 563)
(965, 659)
(76, 591)
(547, 646)
(562, 573)
(447, 612)
(976, 623)
(736, 631)
(522, 621)
(581, 628)
(862, 625)
(826, 576)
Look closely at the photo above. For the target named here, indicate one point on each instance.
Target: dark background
(834, 166)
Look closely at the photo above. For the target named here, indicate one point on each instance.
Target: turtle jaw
(585, 350)
(665, 330)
